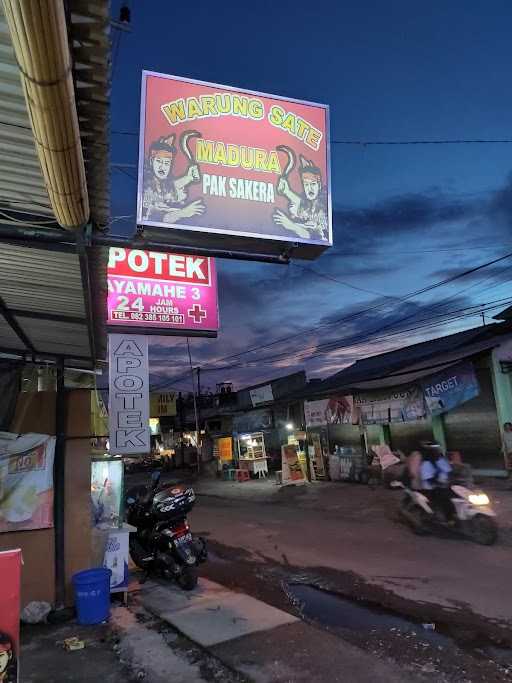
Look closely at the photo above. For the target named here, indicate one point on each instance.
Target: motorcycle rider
(435, 476)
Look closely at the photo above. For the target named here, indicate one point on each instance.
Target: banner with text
(128, 394)
(26, 481)
(450, 388)
(174, 293)
(163, 404)
(261, 395)
(222, 160)
(391, 405)
(336, 410)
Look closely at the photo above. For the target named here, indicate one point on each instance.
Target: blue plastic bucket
(92, 595)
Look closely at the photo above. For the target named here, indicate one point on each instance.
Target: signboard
(261, 395)
(167, 293)
(162, 405)
(26, 482)
(10, 571)
(291, 470)
(336, 410)
(128, 394)
(391, 405)
(227, 167)
(450, 388)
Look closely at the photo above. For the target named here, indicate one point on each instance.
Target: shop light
(289, 426)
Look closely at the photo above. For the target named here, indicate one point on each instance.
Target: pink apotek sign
(163, 293)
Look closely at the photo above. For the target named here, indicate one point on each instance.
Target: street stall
(335, 439)
(223, 453)
(251, 454)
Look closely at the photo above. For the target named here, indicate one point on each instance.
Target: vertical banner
(10, 571)
(116, 559)
(129, 394)
(292, 472)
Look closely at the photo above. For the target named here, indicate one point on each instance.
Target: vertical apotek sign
(129, 394)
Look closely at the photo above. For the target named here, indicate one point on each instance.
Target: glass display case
(107, 492)
(251, 446)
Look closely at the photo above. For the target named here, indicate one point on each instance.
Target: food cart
(251, 453)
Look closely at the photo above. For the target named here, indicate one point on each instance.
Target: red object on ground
(242, 475)
(10, 571)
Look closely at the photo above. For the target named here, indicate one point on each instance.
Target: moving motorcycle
(473, 515)
(163, 542)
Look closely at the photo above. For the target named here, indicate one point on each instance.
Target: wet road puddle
(336, 612)
(370, 622)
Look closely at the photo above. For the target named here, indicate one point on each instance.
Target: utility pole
(195, 407)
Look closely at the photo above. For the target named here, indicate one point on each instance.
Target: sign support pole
(195, 406)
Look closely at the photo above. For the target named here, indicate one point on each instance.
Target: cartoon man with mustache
(164, 195)
(307, 212)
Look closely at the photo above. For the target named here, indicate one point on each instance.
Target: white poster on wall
(261, 395)
(129, 394)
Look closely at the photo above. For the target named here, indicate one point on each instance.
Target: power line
(342, 282)
(363, 337)
(365, 143)
(364, 311)
(355, 341)
(125, 172)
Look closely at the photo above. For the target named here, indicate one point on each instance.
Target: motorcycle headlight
(479, 499)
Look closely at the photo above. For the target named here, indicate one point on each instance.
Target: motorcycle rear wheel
(187, 579)
(483, 530)
(137, 552)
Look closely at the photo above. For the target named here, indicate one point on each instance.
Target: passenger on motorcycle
(435, 478)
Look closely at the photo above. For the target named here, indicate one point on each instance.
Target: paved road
(350, 528)
(347, 538)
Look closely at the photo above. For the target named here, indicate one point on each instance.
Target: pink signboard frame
(162, 293)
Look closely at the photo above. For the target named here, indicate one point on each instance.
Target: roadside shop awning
(54, 176)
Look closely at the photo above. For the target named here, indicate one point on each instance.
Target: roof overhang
(48, 289)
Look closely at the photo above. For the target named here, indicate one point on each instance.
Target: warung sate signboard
(162, 293)
(234, 169)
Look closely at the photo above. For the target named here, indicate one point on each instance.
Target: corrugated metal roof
(41, 288)
(90, 48)
(412, 362)
(22, 187)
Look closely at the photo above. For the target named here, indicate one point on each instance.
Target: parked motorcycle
(473, 515)
(163, 542)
